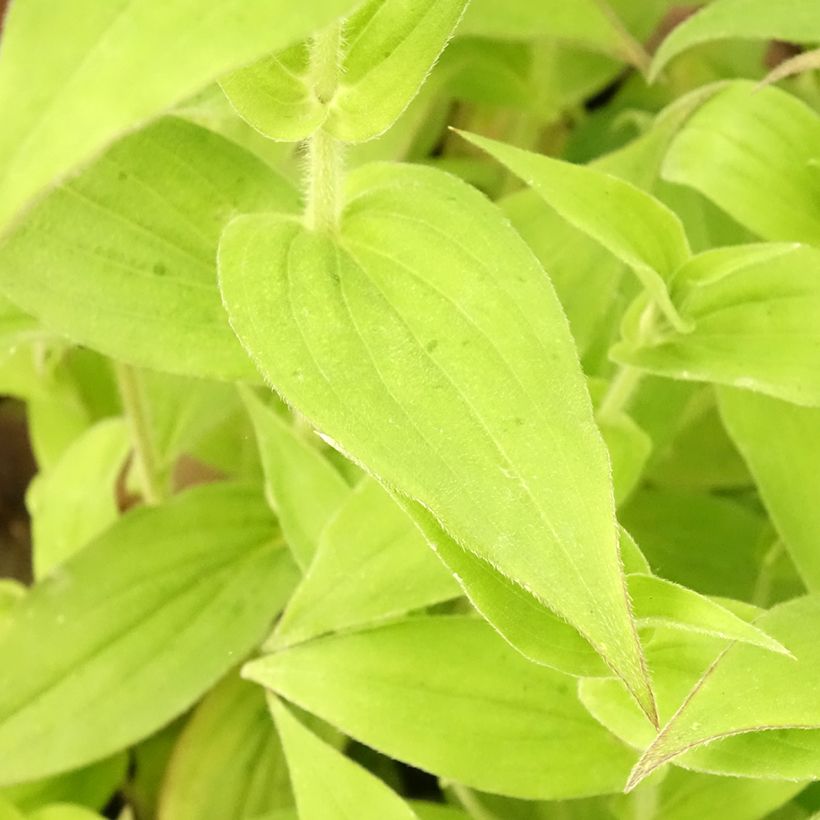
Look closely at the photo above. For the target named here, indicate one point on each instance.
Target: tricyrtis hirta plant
(417, 406)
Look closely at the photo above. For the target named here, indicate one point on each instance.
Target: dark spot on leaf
(431, 346)
(160, 269)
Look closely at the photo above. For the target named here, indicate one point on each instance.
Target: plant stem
(324, 151)
(136, 414)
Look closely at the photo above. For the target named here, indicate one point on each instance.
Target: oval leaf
(443, 362)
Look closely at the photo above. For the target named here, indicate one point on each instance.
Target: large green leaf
(76, 499)
(372, 564)
(135, 627)
(93, 71)
(228, 761)
(441, 360)
(765, 693)
(633, 226)
(792, 20)
(326, 784)
(440, 694)
(304, 488)
(752, 310)
(749, 150)
(387, 49)
(780, 442)
(122, 258)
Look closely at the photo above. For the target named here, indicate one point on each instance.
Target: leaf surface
(122, 257)
(76, 62)
(329, 786)
(750, 150)
(441, 691)
(372, 564)
(752, 312)
(442, 361)
(134, 628)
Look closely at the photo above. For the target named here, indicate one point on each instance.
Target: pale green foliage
(123, 608)
(228, 761)
(433, 410)
(327, 785)
(380, 328)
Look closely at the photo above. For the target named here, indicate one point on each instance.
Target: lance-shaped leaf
(327, 785)
(135, 627)
(304, 488)
(636, 228)
(122, 258)
(791, 20)
(387, 49)
(749, 150)
(76, 61)
(441, 692)
(372, 564)
(753, 312)
(746, 692)
(228, 761)
(780, 442)
(441, 360)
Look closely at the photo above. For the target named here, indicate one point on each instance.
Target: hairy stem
(325, 167)
(136, 414)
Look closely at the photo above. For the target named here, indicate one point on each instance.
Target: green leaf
(780, 442)
(228, 761)
(767, 692)
(8, 811)
(749, 150)
(387, 49)
(121, 258)
(587, 22)
(629, 450)
(704, 542)
(107, 68)
(326, 784)
(372, 564)
(442, 361)
(637, 229)
(441, 692)
(752, 310)
(91, 786)
(304, 488)
(76, 499)
(686, 795)
(64, 811)
(134, 628)
(790, 20)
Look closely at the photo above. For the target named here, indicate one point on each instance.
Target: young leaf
(135, 627)
(751, 679)
(75, 500)
(326, 784)
(387, 48)
(752, 310)
(122, 258)
(640, 231)
(64, 811)
(442, 361)
(441, 692)
(76, 62)
(372, 564)
(780, 442)
(228, 761)
(790, 20)
(304, 488)
(749, 150)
